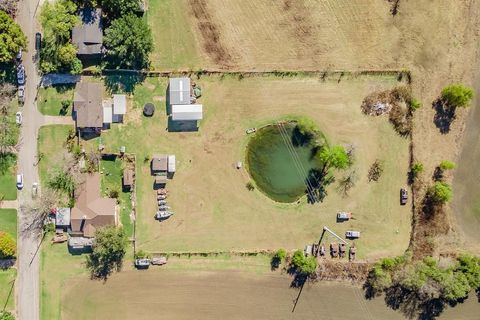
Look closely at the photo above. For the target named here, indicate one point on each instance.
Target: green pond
(279, 162)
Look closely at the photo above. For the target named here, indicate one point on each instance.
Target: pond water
(279, 162)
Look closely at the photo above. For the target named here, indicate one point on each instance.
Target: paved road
(27, 284)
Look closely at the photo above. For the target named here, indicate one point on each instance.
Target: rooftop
(88, 35)
(179, 91)
(159, 162)
(187, 112)
(87, 104)
(91, 211)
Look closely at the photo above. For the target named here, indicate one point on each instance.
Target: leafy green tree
(129, 42)
(109, 248)
(116, 8)
(306, 265)
(417, 168)
(297, 258)
(307, 127)
(457, 95)
(8, 246)
(332, 157)
(278, 258)
(58, 53)
(6, 315)
(12, 38)
(470, 266)
(440, 192)
(379, 279)
(447, 165)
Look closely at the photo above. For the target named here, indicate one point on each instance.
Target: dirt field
(162, 294)
(215, 211)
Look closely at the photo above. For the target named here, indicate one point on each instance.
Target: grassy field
(8, 189)
(51, 145)
(8, 221)
(7, 291)
(50, 100)
(214, 210)
(174, 39)
(58, 268)
(112, 173)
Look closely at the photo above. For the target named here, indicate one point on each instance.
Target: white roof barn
(119, 104)
(179, 91)
(187, 112)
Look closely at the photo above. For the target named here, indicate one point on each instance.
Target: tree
(447, 165)
(307, 127)
(7, 245)
(109, 248)
(278, 258)
(38, 209)
(116, 8)
(6, 315)
(12, 38)
(332, 157)
(58, 53)
(417, 168)
(305, 265)
(440, 192)
(457, 95)
(129, 42)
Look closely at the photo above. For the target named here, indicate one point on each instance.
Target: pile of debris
(377, 103)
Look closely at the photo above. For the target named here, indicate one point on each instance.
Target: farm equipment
(403, 196)
(162, 215)
(343, 216)
(342, 249)
(334, 249)
(142, 263)
(322, 250)
(160, 261)
(352, 234)
(351, 253)
(162, 202)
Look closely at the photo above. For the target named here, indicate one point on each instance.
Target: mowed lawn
(174, 38)
(214, 210)
(8, 188)
(51, 147)
(50, 100)
(8, 221)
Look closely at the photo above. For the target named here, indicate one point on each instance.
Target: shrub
(306, 265)
(307, 127)
(457, 95)
(114, 193)
(375, 171)
(415, 104)
(7, 246)
(447, 165)
(278, 258)
(417, 168)
(6, 315)
(440, 192)
(250, 186)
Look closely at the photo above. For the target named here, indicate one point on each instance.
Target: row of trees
(425, 279)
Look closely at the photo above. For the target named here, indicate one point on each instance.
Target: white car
(21, 94)
(18, 117)
(19, 181)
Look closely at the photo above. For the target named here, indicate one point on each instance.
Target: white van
(20, 181)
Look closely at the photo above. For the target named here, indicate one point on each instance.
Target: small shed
(190, 112)
(159, 163)
(160, 180)
(119, 107)
(62, 218)
(171, 163)
(179, 91)
(107, 113)
(80, 243)
(127, 179)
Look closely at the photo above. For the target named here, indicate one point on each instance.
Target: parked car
(38, 41)
(18, 118)
(352, 234)
(403, 196)
(21, 94)
(19, 181)
(343, 216)
(21, 75)
(34, 189)
(18, 57)
(159, 261)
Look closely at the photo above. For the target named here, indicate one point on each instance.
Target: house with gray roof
(179, 90)
(87, 36)
(87, 106)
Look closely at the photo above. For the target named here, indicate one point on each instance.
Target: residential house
(87, 106)
(87, 36)
(91, 210)
(159, 164)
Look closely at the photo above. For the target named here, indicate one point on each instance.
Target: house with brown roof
(91, 211)
(87, 106)
(159, 164)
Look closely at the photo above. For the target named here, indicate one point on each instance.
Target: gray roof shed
(179, 91)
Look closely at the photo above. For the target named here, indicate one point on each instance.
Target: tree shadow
(316, 184)
(437, 174)
(444, 116)
(298, 139)
(123, 82)
(275, 263)
(62, 88)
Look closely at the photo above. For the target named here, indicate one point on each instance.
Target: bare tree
(38, 209)
(347, 182)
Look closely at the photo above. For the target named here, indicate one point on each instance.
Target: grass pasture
(215, 211)
(8, 183)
